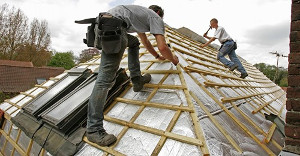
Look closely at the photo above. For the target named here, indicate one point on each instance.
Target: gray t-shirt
(139, 19)
(221, 34)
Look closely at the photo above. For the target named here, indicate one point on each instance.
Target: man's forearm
(148, 45)
(210, 40)
(166, 52)
(207, 37)
(150, 48)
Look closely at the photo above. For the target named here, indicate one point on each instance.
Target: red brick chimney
(292, 127)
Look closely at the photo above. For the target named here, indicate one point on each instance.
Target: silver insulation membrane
(136, 142)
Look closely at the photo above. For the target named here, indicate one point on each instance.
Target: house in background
(19, 76)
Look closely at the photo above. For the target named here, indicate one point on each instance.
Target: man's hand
(160, 57)
(205, 35)
(202, 46)
(175, 60)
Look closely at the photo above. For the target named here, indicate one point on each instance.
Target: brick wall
(292, 128)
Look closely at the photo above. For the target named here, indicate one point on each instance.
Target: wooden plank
(103, 148)
(174, 136)
(54, 78)
(27, 94)
(210, 83)
(247, 96)
(40, 86)
(29, 147)
(197, 56)
(208, 65)
(250, 121)
(241, 125)
(160, 71)
(188, 68)
(266, 104)
(270, 133)
(152, 104)
(216, 123)
(139, 111)
(198, 131)
(164, 86)
(8, 101)
(163, 139)
(184, 139)
(11, 141)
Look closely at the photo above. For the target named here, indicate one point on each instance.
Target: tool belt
(104, 27)
(234, 44)
(110, 33)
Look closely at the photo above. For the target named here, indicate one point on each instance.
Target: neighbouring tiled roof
(16, 78)
(16, 63)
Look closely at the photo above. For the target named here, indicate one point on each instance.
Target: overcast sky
(258, 26)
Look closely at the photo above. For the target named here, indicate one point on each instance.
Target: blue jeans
(106, 78)
(228, 49)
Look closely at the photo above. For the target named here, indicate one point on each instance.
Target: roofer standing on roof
(114, 25)
(227, 48)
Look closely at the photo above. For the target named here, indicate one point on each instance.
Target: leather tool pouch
(110, 34)
(90, 36)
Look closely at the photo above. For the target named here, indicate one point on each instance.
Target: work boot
(101, 138)
(233, 67)
(139, 81)
(244, 75)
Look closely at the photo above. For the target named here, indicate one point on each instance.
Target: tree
(13, 31)
(36, 49)
(88, 54)
(270, 71)
(65, 60)
(18, 41)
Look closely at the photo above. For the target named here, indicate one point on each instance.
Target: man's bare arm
(164, 49)
(207, 43)
(149, 46)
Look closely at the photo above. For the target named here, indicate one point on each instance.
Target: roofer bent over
(227, 48)
(114, 26)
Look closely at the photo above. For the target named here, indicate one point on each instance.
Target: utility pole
(277, 55)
